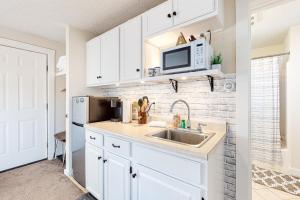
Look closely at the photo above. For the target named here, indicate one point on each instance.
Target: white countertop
(138, 133)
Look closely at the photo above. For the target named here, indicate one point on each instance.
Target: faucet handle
(200, 125)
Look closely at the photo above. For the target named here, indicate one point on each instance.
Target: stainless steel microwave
(194, 56)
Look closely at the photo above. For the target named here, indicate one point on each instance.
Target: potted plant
(216, 61)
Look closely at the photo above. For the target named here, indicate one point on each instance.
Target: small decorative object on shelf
(181, 39)
(192, 38)
(151, 72)
(216, 61)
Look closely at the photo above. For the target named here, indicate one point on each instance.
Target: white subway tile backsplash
(220, 105)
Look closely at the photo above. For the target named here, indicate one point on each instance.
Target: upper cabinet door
(184, 11)
(110, 60)
(149, 185)
(158, 18)
(93, 61)
(116, 177)
(131, 49)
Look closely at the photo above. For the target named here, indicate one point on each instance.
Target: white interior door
(23, 111)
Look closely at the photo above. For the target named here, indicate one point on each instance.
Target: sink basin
(185, 137)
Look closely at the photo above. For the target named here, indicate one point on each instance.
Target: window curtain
(265, 109)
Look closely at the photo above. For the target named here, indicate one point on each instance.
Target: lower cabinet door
(148, 184)
(116, 177)
(94, 170)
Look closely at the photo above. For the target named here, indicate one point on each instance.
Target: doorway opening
(275, 32)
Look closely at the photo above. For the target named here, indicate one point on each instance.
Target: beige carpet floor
(40, 181)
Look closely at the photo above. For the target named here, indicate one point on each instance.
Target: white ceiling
(272, 24)
(48, 18)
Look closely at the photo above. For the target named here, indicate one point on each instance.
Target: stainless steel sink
(185, 137)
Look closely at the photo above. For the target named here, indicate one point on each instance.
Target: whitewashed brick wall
(203, 103)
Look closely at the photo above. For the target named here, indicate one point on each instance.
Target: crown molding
(258, 5)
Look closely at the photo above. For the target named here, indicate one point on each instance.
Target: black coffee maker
(116, 109)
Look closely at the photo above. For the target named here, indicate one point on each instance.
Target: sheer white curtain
(265, 109)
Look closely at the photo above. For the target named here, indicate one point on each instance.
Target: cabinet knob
(169, 15)
(133, 175)
(202, 198)
(99, 77)
(105, 160)
(99, 157)
(137, 70)
(174, 13)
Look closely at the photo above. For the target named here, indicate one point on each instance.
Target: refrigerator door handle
(77, 124)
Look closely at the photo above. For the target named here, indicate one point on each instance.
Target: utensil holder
(142, 118)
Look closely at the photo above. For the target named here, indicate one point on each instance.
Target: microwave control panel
(201, 58)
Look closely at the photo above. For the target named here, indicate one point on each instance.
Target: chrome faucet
(189, 111)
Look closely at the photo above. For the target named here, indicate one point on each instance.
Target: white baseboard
(294, 172)
(68, 172)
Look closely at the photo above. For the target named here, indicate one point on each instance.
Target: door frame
(50, 86)
(243, 47)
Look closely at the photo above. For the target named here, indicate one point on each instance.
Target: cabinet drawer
(187, 170)
(93, 138)
(117, 146)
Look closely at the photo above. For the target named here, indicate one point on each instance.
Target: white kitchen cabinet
(110, 56)
(94, 170)
(93, 53)
(184, 10)
(116, 177)
(131, 49)
(158, 18)
(173, 13)
(149, 184)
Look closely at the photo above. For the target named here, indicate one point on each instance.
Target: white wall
(268, 50)
(293, 98)
(225, 40)
(33, 39)
(75, 79)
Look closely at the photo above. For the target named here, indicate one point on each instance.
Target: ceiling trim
(258, 6)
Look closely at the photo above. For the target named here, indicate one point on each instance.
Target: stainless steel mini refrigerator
(87, 109)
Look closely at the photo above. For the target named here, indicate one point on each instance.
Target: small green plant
(216, 59)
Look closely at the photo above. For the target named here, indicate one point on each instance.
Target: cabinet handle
(99, 157)
(92, 138)
(137, 70)
(116, 146)
(133, 175)
(169, 15)
(174, 13)
(105, 160)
